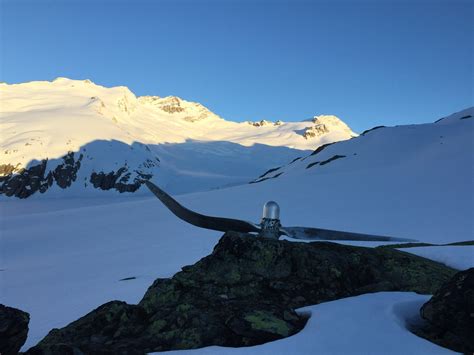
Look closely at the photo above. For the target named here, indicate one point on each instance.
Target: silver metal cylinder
(271, 210)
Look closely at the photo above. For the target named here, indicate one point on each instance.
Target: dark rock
(13, 329)
(66, 173)
(118, 180)
(371, 129)
(335, 157)
(268, 172)
(450, 314)
(244, 293)
(103, 326)
(29, 181)
(321, 148)
(265, 178)
(25, 182)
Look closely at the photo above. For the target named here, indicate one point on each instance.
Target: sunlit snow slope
(79, 136)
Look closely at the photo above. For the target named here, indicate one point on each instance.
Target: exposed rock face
(118, 180)
(25, 182)
(450, 314)
(13, 329)
(179, 108)
(7, 169)
(324, 124)
(244, 293)
(264, 123)
(315, 131)
(65, 174)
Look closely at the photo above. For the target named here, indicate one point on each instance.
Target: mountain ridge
(47, 124)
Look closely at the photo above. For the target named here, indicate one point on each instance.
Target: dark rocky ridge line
(245, 293)
(34, 179)
(327, 161)
(118, 180)
(372, 129)
(265, 178)
(27, 182)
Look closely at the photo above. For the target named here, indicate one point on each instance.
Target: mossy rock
(450, 314)
(244, 293)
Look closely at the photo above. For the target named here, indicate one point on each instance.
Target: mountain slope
(413, 181)
(72, 132)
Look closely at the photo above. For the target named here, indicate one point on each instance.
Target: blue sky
(377, 62)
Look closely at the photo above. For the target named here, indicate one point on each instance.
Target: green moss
(264, 321)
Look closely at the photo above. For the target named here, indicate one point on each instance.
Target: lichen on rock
(244, 293)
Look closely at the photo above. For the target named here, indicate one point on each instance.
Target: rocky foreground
(450, 314)
(244, 293)
(13, 329)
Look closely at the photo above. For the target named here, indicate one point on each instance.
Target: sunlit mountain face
(77, 136)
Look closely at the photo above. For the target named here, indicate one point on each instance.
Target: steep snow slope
(124, 139)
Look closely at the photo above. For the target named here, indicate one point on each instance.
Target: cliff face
(244, 293)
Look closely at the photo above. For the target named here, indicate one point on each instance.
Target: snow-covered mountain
(81, 136)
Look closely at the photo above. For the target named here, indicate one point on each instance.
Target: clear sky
(378, 62)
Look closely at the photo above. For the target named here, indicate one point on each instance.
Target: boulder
(245, 293)
(13, 329)
(450, 314)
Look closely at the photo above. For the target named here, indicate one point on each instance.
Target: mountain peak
(324, 124)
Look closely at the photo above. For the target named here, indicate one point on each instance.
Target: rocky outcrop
(371, 129)
(66, 173)
(8, 169)
(179, 108)
(450, 314)
(262, 123)
(26, 182)
(327, 161)
(23, 183)
(315, 131)
(13, 329)
(244, 293)
(118, 180)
